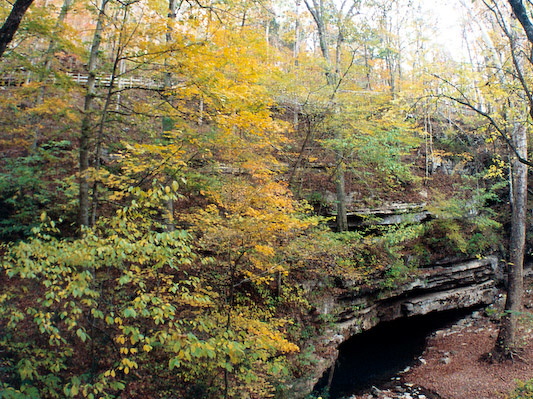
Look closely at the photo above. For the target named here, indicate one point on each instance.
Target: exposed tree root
(498, 355)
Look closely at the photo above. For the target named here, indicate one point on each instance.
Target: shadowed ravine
(372, 358)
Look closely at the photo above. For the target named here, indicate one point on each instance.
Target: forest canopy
(174, 174)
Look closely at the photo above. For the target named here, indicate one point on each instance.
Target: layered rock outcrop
(454, 286)
(444, 287)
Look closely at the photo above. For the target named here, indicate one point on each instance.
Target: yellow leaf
(147, 348)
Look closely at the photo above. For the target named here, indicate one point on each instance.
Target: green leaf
(81, 334)
(174, 363)
(129, 312)
(125, 279)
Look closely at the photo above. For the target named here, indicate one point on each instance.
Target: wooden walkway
(21, 78)
(122, 83)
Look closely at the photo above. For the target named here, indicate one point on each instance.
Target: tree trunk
(46, 63)
(99, 140)
(332, 78)
(168, 122)
(12, 23)
(521, 14)
(506, 342)
(48, 55)
(342, 217)
(85, 134)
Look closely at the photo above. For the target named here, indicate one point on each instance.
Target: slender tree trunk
(52, 45)
(86, 128)
(167, 122)
(12, 23)
(506, 342)
(367, 68)
(303, 148)
(115, 72)
(342, 216)
(230, 301)
(296, 54)
(45, 67)
(332, 78)
(296, 50)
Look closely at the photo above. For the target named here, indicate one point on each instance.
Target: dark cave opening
(373, 357)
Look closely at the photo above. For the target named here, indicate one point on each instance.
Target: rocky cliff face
(457, 285)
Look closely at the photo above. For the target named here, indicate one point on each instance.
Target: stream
(371, 360)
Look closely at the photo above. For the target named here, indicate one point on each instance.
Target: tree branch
(11, 24)
(491, 120)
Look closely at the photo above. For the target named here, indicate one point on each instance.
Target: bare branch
(464, 101)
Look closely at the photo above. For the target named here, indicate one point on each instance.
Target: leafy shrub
(32, 184)
(93, 315)
(523, 390)
(383, 152)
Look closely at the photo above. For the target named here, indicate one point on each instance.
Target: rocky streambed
(398, 390)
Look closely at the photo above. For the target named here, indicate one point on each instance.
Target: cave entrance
(373, 357)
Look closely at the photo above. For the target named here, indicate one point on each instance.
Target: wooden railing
(20, 78)
(122, 83)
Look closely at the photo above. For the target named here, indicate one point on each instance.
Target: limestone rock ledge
(445, 287)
